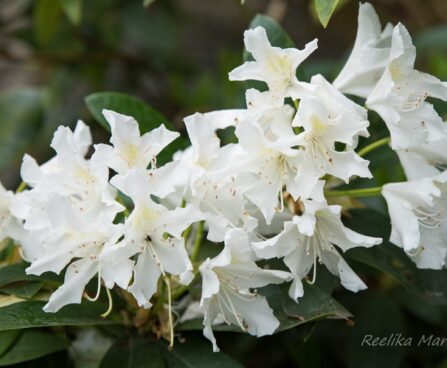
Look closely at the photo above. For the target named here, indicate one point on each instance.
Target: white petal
(257, 43)
(256, 314)
(118, 273)
(368, 57)
(210, 284)
(157, 139)
(77, 276)
(176, 221)
(211, 313)
(280, 245)
(343, 237)
(434, 251)
(338, 266)
(82, 137)
(30, 171)
(172, 254)
(146, 274)
(299, 263)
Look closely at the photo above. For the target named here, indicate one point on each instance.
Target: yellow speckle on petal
(144, 217)
(130, 153)
(317, 126)
(395, 71)
(280, 68)
(83, 174)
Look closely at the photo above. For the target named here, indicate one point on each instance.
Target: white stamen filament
(232, 308)
(429, 220)
(98, 291)
(110, 299)
(413, 101)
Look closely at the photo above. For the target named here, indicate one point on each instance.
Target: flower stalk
(364, 192)
(371, 147)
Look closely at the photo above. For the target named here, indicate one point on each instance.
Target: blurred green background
(175, 55)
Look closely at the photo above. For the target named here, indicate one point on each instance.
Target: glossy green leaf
(314, 306)
(14, 273)
(30, 345)
(21, 114)
(72, 9)
(7, 338)
(192, 351)
(24, 290)
(30, 314)
(325, 9)
(431, 285)
(377, 315)
(197, 352)
(148, 118)
(134, 353)
(15, 281)
(46, 20)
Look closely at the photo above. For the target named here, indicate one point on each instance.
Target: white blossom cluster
(72, 214)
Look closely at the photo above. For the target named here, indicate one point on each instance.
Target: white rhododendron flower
(68, 213)
(273, 65)
(130, 150)
(228, 289)
(268, 167)
(418, 218)
(328, 117)
(205, 174)
(311, 238)
(368, 57)
(155, 234)
(400, 96)
(69, 174)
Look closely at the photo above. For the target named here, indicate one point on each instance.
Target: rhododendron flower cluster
(114, 214)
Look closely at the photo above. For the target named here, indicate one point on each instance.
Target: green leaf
(30, 314)
(315, 305)
(31, 345)
(15, 273)
(192, 351)
(377, 315)
(134, 353)
(21, 113)
(325, 9)
(15, 281)
(46, 20)
(7, 338)
(23, 290)
(147, 117)
(196, 352)
(72, 9)
(430, 285)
